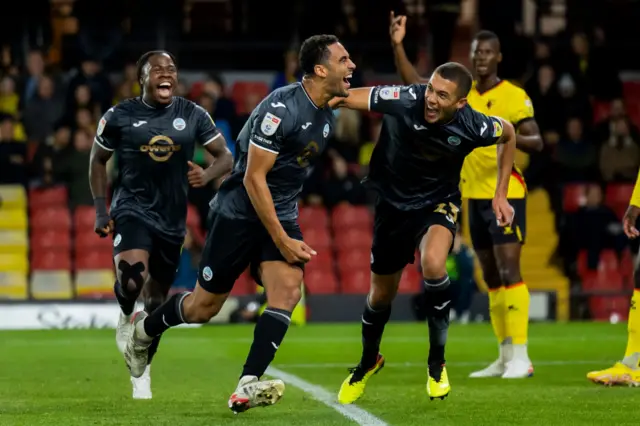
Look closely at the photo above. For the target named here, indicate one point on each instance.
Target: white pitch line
(449, 364)
(352, 412)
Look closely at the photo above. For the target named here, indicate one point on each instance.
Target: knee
(434, 263)
(153, 302)
(285, 296)
(509, 273)
(492, 279)
(132, 276)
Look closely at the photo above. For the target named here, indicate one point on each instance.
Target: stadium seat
(601, 111)
(84, 218)
(244, 285)
(313, 218)
(604, 307)
(346, 216)
(94, 259)
(50, 260)
(321, 282)
(240, 90)
(603, 280)
(626, 268)
(573, 197)
(14, 242)
(355, 281)
(353, 239)
(51, 218)
(197, 88)
(608, 261)
(617, 197)
(14, 262)
(51, 239)
(13, 286)
(323, 260)
(88, 241)
(353, 259)
(13, 197)
(318, 239)
(13, 219)
(56, 196)
(95, 284)
(51, 285)
(411, 281)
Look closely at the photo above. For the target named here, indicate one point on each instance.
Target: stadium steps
(542, 241)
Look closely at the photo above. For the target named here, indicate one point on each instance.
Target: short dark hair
(144, 59)
(457, 73)
(486, 35)
(314, 51)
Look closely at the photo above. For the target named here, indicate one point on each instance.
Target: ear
(321, 71)
(461, 103)
(499, 57)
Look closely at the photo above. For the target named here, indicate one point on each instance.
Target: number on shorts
(451, 213)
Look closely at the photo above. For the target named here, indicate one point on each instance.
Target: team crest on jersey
(325, 131)
(116, 240)
(390, 93)
(497, 129)
(453, 140)
(179, 124)
(101, 124)
(270, 124)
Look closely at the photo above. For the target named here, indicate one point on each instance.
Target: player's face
(441, 100)
(485, 55)
(160, 78)
(338, 70)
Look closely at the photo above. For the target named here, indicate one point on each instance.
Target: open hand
(503, 210)
(196, 175)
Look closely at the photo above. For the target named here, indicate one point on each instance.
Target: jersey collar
(152, 107)
(308, 97)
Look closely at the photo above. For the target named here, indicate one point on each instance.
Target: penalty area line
(352, 412)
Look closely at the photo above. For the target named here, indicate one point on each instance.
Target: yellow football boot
(438, 388)
(353, 386)
(619, 374)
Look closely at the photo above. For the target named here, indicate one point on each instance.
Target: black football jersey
(415, 163)
(152, 147)
(286, 123)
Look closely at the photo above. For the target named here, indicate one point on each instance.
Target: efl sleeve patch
(270, 124)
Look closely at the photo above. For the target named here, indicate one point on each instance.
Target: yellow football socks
(497, 311)
(516, 305)
(633, 325)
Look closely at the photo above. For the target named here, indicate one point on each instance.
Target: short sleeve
(109, 130)
(485, 130)
(522, 108)
(206, 131)
(271, 125)
(393, 100)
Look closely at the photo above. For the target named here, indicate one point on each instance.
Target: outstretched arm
(358, 99)
(397, 31)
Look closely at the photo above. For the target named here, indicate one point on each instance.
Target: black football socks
(373, 321)
(166, 316)
(267, 337)
(126, 300)
(438, 303)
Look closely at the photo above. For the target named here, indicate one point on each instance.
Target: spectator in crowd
(291, 72)
(35, 70)
(13, 164)
(90, 73)
(53, 151)
(620, 154)
(617, 110)
(9, 99)
(73, 169)
(42, 112)
(223, 107)
(576, 156)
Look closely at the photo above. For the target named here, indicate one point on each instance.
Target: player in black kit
(154, 138)
(426, 133)
(255, 219)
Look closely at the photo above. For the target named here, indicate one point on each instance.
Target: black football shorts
(484, 230)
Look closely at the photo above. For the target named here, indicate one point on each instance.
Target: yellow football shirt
(480, 172)
(635, 197)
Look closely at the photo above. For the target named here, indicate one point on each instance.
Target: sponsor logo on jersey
(160, 148)
(270, 124)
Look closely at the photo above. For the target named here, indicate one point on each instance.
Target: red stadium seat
(318, 239)
(50, 218)
(193, 217)
(351, 259)
(88, 241)
(574, 197)
(84, 218)
(353, 239)
(240, 90)
(93, 259)
(51, 239)
(196, 90)
(355, 281)
(583, 265)
(604, 307)
(617, 196)
(411, 281)
(50, 260)
(56, 196)
(601, 111)
(313, 217)
(608, 261)
(347, 216)
(323, 260)
(626, 268)
(321, 282)
(603, 281)
(244, 285)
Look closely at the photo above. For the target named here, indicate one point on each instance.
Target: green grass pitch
(77, 377)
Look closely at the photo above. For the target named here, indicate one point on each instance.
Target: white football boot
(252, 392)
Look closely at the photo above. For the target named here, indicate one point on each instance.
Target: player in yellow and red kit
(627, 371)
(497, 248)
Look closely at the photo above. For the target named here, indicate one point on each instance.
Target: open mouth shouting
(165, 90)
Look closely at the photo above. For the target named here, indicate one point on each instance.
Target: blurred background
(63, 63)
